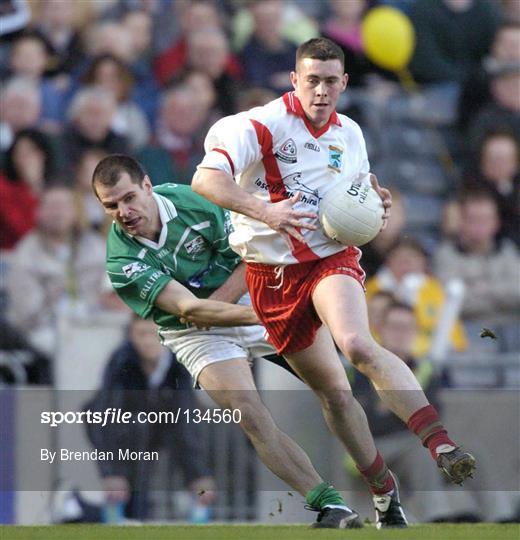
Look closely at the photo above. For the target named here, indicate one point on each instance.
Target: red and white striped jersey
(273, 152)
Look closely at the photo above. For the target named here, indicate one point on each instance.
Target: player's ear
(294, 79)
(344, 81)
(147, 184)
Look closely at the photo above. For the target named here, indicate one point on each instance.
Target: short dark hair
(480, 193)
(109, 170)
(43, 143)
(320, 49)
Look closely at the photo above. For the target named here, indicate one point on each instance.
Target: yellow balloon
(388, 37)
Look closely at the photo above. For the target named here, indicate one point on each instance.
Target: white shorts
(196, 349)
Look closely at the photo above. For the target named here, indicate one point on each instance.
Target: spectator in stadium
(29, 166)
(58, 22)
(398, 332)
(143, 376)
(405, 275)
(200, 84)
(268, 58)
(198, 15)
(208, 51)
(497, 168)
(375, 252)
(452, 38)
(489, 268)
(476, 91)
(115, 76)
(91, 115)
(504, 109)
(306, 289)
(89, 211)
(179, 139)
(108, 37)
(20, 108)
(54, 269)
(30, 58)
(139, 24)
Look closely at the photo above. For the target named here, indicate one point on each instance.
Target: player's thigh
(319, 365)
(340, 303)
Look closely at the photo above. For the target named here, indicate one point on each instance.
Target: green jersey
(192, 249)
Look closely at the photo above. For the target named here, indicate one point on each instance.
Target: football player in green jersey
(168, 258)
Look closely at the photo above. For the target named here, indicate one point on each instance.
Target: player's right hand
(284, 219)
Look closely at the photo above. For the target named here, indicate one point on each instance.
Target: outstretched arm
(220, 188)
(178, 300)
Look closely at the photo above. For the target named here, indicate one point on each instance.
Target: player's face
(131, 205)
(318, 85)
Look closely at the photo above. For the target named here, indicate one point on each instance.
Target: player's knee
(358, 349)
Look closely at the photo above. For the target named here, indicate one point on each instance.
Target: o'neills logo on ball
(287, 152)
(358, 189)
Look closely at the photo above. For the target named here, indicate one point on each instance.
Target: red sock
(378, 477)
(426, 424)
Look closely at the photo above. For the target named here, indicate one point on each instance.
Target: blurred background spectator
(114, 76)
(405, 274)
(496, 167)
(90, 119)
(452, 38)
(268, 58)
(20, 108)
(490, 269)
(90, 212)
(29, 165)
(55, 269)
(476, 93)
(142, 375)
(179, 137)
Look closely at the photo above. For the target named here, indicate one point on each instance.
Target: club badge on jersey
(287, 152)
(335, 158)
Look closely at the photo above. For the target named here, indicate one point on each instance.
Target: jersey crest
(335, 158)
(287, 152)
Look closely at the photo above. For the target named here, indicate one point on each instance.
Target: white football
(351, 214)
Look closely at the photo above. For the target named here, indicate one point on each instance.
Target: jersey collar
(294, 106)
(167, 212)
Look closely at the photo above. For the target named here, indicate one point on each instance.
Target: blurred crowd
(80, 80)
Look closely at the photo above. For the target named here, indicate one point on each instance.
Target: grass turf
(257, 532)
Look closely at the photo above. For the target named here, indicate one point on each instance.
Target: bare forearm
(220, 188)
(177, 300)
(233, 288)
(215, 313)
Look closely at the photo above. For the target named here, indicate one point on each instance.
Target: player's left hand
(386, 197)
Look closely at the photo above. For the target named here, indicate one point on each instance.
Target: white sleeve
(364, 165)
(231, 145)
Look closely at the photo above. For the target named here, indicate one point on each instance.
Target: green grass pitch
(257, 532)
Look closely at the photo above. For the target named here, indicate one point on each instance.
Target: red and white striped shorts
(282, 296)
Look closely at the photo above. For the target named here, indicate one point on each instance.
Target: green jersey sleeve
(222, 227)
(137, 283)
